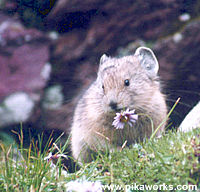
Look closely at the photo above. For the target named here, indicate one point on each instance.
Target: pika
(128, 82)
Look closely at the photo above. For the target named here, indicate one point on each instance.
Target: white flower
(124, 117)
(53, 98)
(184, 17)
(16, 108)
(84, 186)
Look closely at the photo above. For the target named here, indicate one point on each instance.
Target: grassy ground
(173, 159)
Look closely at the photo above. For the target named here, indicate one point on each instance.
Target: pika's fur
(92, 122)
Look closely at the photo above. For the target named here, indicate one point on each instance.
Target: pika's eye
(103, 87)
(126, 82)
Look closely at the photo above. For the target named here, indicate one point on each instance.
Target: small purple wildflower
(124, 117)
(55, 156)
(50, 158)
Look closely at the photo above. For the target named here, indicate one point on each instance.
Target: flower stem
(159, 126)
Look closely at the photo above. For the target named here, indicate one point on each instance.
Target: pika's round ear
(147, 60)
(103, 59)
(103, 62)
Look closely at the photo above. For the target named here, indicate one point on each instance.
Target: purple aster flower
(51, 158)
(56, 156)
(124, 117)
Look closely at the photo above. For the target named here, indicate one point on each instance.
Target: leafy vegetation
(172, 159)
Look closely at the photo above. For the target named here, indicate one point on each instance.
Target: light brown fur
(92, 127)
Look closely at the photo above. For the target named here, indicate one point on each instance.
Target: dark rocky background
(68, 38)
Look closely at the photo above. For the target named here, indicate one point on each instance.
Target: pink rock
(23, 55)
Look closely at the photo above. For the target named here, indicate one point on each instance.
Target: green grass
(172, 159)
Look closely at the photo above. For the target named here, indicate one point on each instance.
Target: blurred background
(49, 53)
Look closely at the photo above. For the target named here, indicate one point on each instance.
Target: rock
(179, 68)
(80, 32)
(87, 30)
(23, 57)
(24, 67)
(192, 120)
(8, 6)
(57, 119)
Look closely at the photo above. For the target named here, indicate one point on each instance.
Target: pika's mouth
(116, 108)
(120, 109)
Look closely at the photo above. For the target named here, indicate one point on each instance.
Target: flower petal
(124, 117)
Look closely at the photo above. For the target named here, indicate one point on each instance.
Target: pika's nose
(113, 105)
